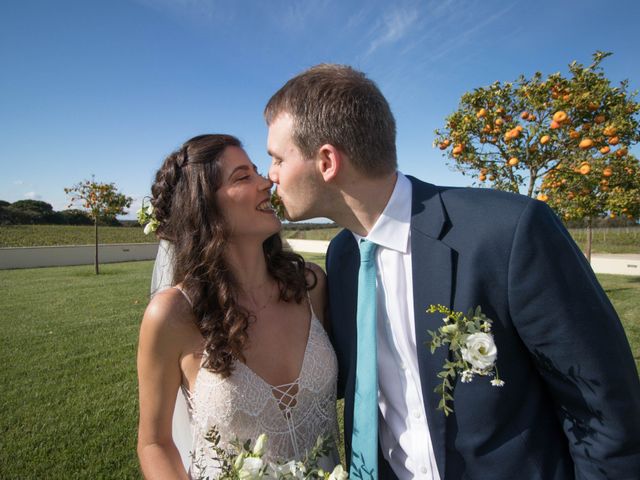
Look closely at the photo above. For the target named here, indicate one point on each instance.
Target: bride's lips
(265, 206)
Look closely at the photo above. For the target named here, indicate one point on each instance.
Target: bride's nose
(265, 183)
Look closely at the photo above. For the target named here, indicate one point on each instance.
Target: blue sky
(109, 88)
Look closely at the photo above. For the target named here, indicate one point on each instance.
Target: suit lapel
(432, 268)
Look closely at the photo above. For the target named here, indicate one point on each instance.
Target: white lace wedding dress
(244, 405)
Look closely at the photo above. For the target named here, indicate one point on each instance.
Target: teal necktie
(364, 441)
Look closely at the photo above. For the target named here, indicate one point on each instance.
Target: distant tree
(4, 203)
(102, 201)
(75, 216)
(31, 211)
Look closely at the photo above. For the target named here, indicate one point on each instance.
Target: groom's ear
(329, 161)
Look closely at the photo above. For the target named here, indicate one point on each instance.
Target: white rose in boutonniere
(472, 347)
(480, 351)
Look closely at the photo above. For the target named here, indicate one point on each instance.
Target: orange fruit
(560, 116)
(593, 106)
(513, 161)
(585, 143)
(612, 215)
(545, 139)
(519, 128)
(524, 115)
(492, 177)
(457, 150)
(482, 178)
(486, 129)
(607, 172)
(573, 134)
(610, 131)
(500, 110)
(554, 125)
(481, 113)
(543, 197)
(621, 152)
(604, 150)
(586, 126)
(571, 195)
(599, 119)
(499, 121)
(613, 140)
(585, 168)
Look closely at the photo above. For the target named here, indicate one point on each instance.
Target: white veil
(162, 278)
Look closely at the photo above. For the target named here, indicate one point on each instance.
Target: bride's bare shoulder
(168, 312)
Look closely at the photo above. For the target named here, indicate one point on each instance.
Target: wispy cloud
(194, 11)
(297, 14)
(396, 24)
(18, 182)
(33, 196)
(467, 35)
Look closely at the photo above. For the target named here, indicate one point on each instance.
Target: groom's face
(297, 180)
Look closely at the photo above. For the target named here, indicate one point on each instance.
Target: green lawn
(68, 404)
(605, 240)
(45, 235)
(610, 240)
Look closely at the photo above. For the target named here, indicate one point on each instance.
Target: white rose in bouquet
(252, 468)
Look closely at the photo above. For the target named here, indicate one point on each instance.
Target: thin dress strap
(184, 294)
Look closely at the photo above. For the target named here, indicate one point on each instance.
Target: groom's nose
(273, 173)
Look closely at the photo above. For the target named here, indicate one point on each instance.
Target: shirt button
(403, 366)
(424, 470)
(416, 414)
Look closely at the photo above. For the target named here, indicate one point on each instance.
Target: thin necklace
(259, 308)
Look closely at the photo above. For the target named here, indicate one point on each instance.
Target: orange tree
(102, 201)
(594, 186)
(511, 135)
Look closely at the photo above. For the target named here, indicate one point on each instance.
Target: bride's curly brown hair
(184, 202)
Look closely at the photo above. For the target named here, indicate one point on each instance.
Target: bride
(240, 333)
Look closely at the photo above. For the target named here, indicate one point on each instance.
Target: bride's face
(244, 197)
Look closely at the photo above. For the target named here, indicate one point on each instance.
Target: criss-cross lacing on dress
(244, 405)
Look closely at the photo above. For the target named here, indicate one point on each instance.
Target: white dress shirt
(403, 428)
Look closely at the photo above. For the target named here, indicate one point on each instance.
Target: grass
(605, 240)
(609, 240)
(68, 380)
(46, 235)
(68, 404)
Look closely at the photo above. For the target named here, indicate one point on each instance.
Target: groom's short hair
(339, 105)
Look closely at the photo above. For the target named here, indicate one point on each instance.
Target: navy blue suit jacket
(571, 404)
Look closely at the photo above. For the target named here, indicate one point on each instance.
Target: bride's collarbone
(276, 347)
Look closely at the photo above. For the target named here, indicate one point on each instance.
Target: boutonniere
(473, 349)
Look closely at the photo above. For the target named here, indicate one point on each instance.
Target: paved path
(617, 264)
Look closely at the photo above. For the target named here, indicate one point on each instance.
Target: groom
(570, 406)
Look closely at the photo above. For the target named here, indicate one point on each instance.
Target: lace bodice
(244, 405)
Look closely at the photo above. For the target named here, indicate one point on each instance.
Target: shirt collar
(392, 228)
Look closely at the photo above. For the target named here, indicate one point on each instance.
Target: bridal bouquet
(245, 462)
(473, 350)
